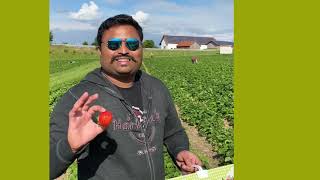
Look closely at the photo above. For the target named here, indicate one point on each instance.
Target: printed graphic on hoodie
(140, 128)
(138, 113)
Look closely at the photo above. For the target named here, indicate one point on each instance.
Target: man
(144, 115)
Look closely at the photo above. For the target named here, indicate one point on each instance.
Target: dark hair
(121, 19)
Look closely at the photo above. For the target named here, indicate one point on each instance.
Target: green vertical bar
(24, 90)
(276, 89)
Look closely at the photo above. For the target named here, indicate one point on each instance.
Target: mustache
(124, 57)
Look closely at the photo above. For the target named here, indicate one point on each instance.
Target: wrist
(73, 148)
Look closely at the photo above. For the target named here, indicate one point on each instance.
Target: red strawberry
(105, 119)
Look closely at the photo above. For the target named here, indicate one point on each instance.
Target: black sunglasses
(115, 43)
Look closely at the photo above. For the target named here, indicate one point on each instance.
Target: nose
(123, 50)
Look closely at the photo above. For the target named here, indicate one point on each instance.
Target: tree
(85, 43)
(51, 37)
(148, 44)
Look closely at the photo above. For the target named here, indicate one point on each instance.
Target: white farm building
(191, 42)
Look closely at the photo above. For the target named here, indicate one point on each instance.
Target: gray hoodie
(130, 148)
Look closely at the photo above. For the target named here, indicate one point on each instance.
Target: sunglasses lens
(114, 44)
(132, 44)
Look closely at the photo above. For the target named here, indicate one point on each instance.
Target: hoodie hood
(97, 78)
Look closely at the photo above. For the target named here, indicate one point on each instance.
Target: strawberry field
(204, 94)
(203, 91)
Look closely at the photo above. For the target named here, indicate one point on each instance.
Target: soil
(199, 144)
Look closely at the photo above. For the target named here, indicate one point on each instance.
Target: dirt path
(199, 144)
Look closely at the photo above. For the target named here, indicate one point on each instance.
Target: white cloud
(141, 17)
(69, 26)
(86, 12)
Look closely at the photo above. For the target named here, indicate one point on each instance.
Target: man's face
(122, 61)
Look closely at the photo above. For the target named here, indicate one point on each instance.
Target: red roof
(185, 44)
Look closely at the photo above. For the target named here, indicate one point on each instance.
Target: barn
(188, 42)
(188, 45)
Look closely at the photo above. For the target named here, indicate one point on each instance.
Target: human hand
(81, 128)
(185, 160)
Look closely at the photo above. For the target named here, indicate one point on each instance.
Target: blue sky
(77, 21)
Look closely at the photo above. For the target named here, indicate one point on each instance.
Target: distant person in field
(194, 59)
(144, 117)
